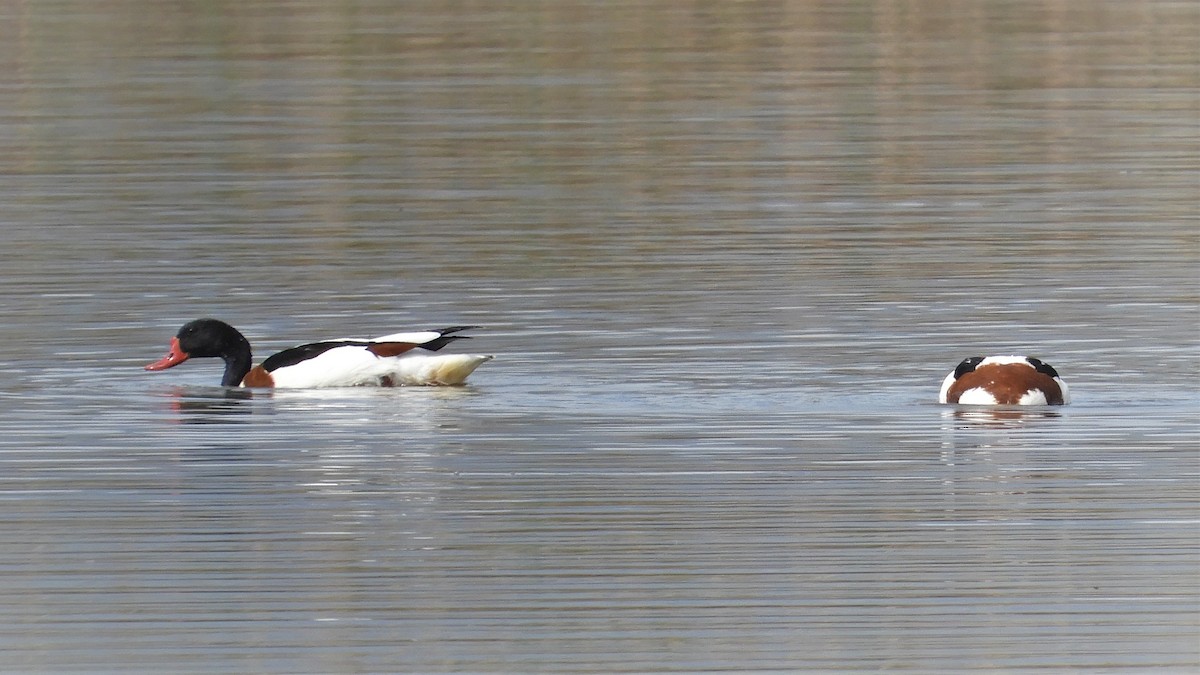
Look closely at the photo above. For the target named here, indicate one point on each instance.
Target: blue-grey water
(723, 253)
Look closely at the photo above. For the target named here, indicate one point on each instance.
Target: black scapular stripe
(294, 355)
(1042, 367)
(968, 365)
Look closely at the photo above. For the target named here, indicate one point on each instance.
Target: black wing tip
(454, 329)
(448, 335)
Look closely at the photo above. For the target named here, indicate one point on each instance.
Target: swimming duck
(1004, 380)
(387, 361)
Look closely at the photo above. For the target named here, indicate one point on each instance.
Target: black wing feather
(447, 337)
(294, 355)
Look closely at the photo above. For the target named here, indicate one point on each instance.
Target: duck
(1004, 380)
(388, 361)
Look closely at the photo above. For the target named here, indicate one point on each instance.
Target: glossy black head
(211, 338)
(967, 365)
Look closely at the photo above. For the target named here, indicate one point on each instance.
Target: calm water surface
(724, 255)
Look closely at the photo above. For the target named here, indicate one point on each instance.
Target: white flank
(440, 369)
(977, 396)
(946, 383)
(1065, 391)
(1032, 397)
(353, 366)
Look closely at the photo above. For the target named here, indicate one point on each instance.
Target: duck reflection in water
(998, 416)
(209, 405)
